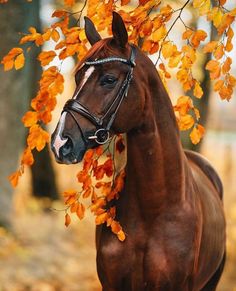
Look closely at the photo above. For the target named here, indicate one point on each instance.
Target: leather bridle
(104, 123)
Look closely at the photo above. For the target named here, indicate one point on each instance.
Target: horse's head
(108, 98)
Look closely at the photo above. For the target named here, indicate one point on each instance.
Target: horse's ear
(119, 31)
(91, 33)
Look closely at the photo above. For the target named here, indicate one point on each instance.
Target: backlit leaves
(14, 59)
(149, 24)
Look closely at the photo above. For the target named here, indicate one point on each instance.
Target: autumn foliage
(149, 24)
(101, 184)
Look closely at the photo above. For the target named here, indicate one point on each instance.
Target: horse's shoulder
(207, 169)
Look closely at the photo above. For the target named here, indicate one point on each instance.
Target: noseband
(102, 133)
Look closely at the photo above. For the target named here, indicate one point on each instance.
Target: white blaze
(59, 141)
(87, 74)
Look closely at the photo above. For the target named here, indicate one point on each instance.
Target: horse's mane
(104, 45)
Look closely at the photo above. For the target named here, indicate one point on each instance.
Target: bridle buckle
(101, 136)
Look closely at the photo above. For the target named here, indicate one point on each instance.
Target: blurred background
(37, 252)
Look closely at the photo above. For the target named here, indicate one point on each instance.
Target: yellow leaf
(174, 60)
(159, 34)
(203, 6)
(197, 133)
(215, 15)
(19, 61)
(168, 49)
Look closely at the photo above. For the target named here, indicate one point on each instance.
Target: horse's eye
(108, 81)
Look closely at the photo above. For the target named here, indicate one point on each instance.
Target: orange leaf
(227, 65)
(67, 220)
(34, 36)
(8, 60)
(73, 207)
(46, 57)
(185, 122)
(198, 36)
(100, 219)
(226, 92)
(30, 118)
(55, 35)
(198, 92)
(219, 52)
(99, 151)
(214, 67)
(121, 235)
(184, 104)
(197, 133)
(27, 158)
(146, 28)
(37, 138)
(80, 211)
(69, 2)
(115, 227)
(87, 193)
(124, 2)
(59, 13)
(218, 84)
(68, 193)
(210, 46)
(14, 178)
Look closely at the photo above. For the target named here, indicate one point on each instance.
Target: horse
(171, 206)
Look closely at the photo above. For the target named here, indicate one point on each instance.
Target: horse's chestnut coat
(171, 206)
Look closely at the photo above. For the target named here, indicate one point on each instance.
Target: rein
(102, 133)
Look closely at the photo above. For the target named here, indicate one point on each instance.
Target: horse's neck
(155, 168)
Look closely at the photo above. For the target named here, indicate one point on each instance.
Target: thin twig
(172, 25)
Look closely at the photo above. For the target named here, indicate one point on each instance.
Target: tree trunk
(43, 177)
(13, 102)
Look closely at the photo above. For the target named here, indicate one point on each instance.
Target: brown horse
(171, 206)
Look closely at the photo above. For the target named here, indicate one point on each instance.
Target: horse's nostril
(67, 148)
